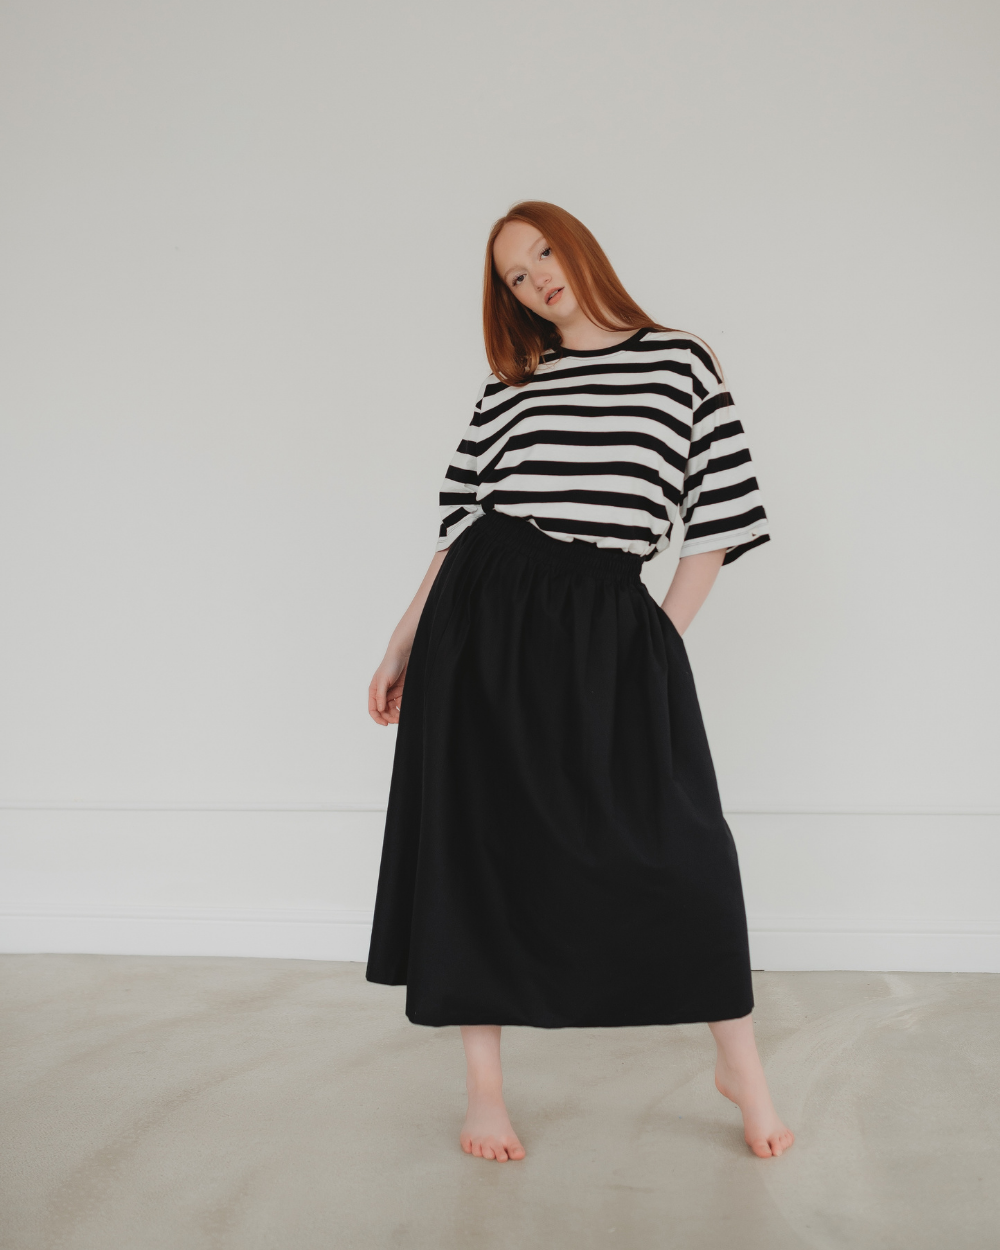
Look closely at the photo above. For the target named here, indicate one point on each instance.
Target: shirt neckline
(601, 351)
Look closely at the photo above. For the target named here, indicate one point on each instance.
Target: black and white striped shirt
(616, 447)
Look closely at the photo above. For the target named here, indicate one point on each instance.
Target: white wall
(242, 253)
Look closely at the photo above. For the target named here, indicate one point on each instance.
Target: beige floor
(181, 1104)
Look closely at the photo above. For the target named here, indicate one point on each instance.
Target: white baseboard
(785, 944)
(872, 944)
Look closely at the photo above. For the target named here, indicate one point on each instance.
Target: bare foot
(487, 1131)
(763, 1130)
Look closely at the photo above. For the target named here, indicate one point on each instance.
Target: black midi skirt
(555, 851)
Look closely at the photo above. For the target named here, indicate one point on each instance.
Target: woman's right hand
(386, 690)
(385, 694)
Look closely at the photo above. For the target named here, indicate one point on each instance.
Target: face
(524, 260)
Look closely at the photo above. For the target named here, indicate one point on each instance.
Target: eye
(546, 252)
(519, 278)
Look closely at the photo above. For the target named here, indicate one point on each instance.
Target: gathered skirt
(555, 852)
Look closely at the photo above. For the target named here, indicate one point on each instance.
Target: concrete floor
(181, 1104)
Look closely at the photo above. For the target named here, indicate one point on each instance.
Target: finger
(373, 711)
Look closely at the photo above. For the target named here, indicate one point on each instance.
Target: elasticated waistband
(579, 556)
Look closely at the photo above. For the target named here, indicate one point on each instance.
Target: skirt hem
(631, 1023)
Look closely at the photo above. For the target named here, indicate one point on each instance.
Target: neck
(580, 334)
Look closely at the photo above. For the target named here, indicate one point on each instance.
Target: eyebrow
(508, 272)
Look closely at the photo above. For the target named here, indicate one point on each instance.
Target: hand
(385, 694)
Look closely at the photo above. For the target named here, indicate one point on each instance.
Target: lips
(553, 295)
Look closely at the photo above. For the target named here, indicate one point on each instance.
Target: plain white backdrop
(242, 255)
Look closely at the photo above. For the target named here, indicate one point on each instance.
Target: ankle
(746, 1065)
(484, 1089)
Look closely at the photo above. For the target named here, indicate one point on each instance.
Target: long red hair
(515, 336)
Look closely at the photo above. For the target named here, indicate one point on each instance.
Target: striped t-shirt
(616, 447)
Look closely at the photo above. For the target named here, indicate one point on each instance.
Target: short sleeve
(721, 507)
(458, 499)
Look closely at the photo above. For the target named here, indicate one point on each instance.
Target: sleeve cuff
(445, 540)
(733, 543)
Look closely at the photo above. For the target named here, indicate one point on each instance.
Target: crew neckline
(601, 351)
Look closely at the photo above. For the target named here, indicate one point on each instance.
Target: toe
(780, 1142)
(761, 1149)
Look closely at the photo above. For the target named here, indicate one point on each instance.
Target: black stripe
(722, 400)
(575, 468)
(696, 349)
(450, 520)
(455, 474)
(729, 430)
(744, 547)
(607, 499)
(595, 438)
(656, 415)
(724, 493)
(721, 525)
(717, 466)
(594, 388)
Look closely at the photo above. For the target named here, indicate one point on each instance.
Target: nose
(542, 281)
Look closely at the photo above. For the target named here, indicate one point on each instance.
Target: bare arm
(385, 694)
(689, 589)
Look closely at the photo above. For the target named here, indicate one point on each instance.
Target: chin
(559, 312)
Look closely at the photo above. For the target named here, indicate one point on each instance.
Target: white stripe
(556, 453)
(583, 512)
(542, 485)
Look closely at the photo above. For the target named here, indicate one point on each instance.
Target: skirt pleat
(555, 852)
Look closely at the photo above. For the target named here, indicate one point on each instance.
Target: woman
(555, 851)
